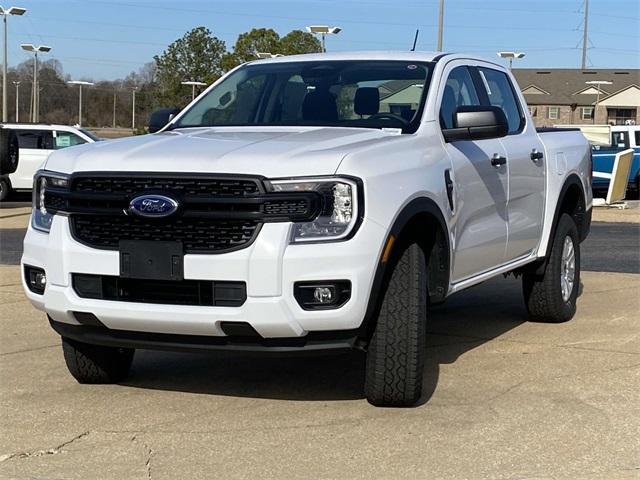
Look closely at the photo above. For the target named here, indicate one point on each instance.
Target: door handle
(498, 160)
(536, 155)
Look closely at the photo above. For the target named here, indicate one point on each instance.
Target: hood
(268, 151)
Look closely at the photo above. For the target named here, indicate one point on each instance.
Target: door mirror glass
(160, 118)
(477, 123)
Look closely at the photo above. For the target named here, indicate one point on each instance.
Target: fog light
(322, 295)
(36, 279)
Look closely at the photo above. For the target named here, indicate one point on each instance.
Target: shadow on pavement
(465, 322)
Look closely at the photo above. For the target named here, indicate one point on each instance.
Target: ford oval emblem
(153, 206)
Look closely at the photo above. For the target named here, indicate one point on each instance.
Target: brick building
(561, 96)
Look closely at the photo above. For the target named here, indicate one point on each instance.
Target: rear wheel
(396, 354)
(96, 363)
(551, 297)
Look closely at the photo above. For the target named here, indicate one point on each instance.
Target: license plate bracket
(151, 260)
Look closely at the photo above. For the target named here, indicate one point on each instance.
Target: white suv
(37, 142)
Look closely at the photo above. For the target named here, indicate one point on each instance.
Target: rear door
(35, 147)
(480, 227)
(526, 171)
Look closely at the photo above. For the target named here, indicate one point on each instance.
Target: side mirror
(477, 123)
(160, 118)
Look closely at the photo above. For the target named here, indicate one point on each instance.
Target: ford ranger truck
(309, 203)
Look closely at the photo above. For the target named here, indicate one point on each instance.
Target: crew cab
(309, 203)
(36, 143)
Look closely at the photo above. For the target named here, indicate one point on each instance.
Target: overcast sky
(102, 39)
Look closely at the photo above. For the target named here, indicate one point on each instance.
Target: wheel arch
(418, 215)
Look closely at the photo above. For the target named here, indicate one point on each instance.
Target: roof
(565, 84)
(365, 55)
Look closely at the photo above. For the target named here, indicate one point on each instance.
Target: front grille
(216, 213)
(169, 292)
(196, 235)
(194, 186)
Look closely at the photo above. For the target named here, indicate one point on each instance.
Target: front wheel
(96, 363)
(551, 297)
(396, 354)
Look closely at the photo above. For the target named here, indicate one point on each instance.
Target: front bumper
(270, 267)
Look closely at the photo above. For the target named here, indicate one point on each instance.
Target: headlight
(340, 211)
(40, 218)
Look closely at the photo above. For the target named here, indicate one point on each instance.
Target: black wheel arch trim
(417, 206)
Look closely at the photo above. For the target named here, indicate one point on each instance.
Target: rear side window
(637, 133)
(67, 139)
(458, 92)
(35, 139)
(620, 139)
(501, 94)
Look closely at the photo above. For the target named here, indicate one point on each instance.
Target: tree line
(198, 56)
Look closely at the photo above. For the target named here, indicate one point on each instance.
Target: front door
(35, 147)
(480, 230)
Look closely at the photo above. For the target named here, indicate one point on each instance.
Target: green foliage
(195, 56)
(258, 40)
(297, 42)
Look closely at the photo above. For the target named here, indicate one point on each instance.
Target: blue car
(622, 138)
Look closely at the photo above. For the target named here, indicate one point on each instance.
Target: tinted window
(35, 139)
(67, 139)
(370, 94)
(458, 91)
(620, 139)
(637, 133)
(501, 94)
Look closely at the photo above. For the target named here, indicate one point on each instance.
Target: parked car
(307, 203)
(36, 143)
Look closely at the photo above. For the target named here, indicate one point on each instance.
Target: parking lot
(505, 398)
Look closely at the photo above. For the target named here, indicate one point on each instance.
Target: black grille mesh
(196, 235)
(198, 187)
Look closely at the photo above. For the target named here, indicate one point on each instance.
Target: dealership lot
(505, 398)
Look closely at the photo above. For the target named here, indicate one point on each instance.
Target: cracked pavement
(504, 399)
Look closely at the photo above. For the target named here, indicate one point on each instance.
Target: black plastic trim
(333, 341)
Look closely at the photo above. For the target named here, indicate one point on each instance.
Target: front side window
(67, 139)
(501, 94)
(620, 139)
(366, 94)
(458, 92)
(554, 113)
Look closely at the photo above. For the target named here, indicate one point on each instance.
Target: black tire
(9, 150)
(5, 188)
(543, 294)
(397, 350)
(96, 363)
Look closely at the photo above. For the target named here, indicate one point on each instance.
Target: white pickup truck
(305, 203)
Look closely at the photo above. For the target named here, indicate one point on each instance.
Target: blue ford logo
(153, 206)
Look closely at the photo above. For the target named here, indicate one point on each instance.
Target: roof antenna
(415, 40)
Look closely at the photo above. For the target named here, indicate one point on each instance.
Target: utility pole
(17, 84)
(114, 108)
(585, 34)
(440, 25)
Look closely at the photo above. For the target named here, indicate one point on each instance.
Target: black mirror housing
(161, 117)
(477, 123)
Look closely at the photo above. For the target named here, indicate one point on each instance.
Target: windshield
(90, 135)
(368, 94)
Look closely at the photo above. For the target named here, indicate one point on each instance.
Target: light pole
(133, 109)
(511, 56)
(80, 84)
(5, 13)
(323, 30)
(193, 87)
(17, 84)
(599, 83)
(440, 25)
(36, 103)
